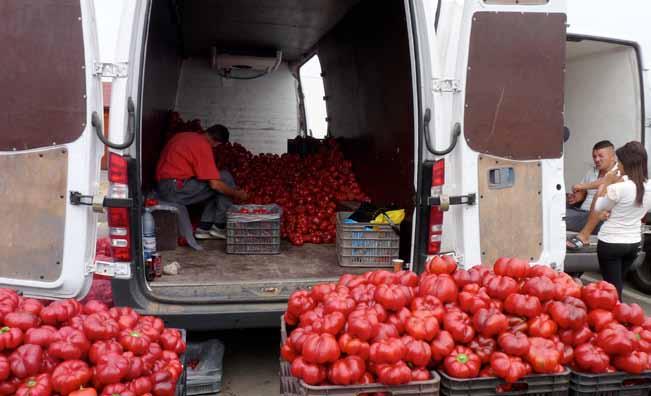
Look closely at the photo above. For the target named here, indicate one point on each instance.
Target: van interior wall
(602, 101)
(366, 66)
(261, 114)
(162, 70)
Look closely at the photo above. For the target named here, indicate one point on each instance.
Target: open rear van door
(491, 113)
(49, 154)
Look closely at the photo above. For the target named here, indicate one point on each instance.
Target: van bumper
(588, 262)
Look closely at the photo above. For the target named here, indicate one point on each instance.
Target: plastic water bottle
(148, 234)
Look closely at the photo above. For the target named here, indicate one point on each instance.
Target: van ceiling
(294, 26)
(582, 48)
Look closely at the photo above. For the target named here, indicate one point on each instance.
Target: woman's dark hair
(633, 157)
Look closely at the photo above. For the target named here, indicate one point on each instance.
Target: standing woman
(625, 199)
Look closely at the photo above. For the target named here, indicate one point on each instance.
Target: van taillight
(436, 214)
(118, 218)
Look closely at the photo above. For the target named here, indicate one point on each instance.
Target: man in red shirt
(186, 174)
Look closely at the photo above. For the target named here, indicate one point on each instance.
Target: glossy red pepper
(297, 338)
(36, 386)
(542, 270)
(591, 358)
(489, 322)
(541, 287)
(642, 339)
(312, 374)
(441, 286)
(462, 363)
(422, 325)
(126, 317)
(472, 301)
(512, 369)
(26, 361)
(513, 267)
(462, 277)
(571, 313)
(30, 305)
(321, 349)
(459, 326)
(22, 320)
(137, 366)
(407, 278)
(49, 363)
(335, 302)
(101, 348)
(299, 302)
(616, 340)
(140, 386)
(598, 319)
(10, 386)
(420, 374)
(442, 345)
(483, 347)
(363, 293)
(542, 326)
(629, 314)
(60, 311)
(516, 344)
(332, 323)
(347, 371)
(150, 326)
(399, 319)
(429, 303)
(440, 265)
(634, 363)
(576, 337)
(171, 340)
(10, 337)
(392, 297)
(287, 351)
(543, 355)
(70, 344)
(418, 352)
(84, 392)
(383, 331)
(517, 324)
(70, 376)
(5, 368)
(600, 294)
(134, 341)
(123, 390)
(566, 286)
(523, 305)
(389, 350)
(42, 336)
(393, 374)
(354, 346)
(110, 369)
(500, 287)
(101, 326)
(93, 306)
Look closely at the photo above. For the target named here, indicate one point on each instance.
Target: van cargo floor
(213, 266)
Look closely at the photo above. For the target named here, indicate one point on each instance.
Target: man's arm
(594, 185)
(223, 188)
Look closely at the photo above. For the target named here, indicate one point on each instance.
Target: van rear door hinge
(111, 70)
(444, 201)
(99, 202)
(446, 85)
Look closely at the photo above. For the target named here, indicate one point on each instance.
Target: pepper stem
(462, 358)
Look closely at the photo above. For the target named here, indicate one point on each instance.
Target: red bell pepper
(422, 325)
(49, 363)
(5, 368)
(616, 340)
(392, 297)
(566, 286)
(101, 326)
(441, 286)
(429, 303)
(442, 345)
(568, 314)
(483, 347)
(500, 287)
(393, 373)
(84, 392)
(361, 326)
(542, 326)
(382, 331)
(516, 344)
(321, 349)
(598, 319)
(591, 358)
(70, 344)
(642, 339)
(22, 320)
(26, 361)
(137, 366)
(123, 390)
(77, 322)
(297, 338)
(94, 306)
(287, 351)
(10, 337)
(140, 386)
(43, 336)
(462, 363)
(407, 278)
(541, 287)
(363, 293)
(351, 280)
(347, 371)
(10, 386)
(628, 314)
(600, 295)
(60, 312)
(331, 323)
(399, 319)
(576, 337)
(134, 341)
(36, 386)
(335, 302)
(150, 326)
(418, 352)
(513, 267)
(389, 350)
(110, 369)
(126, 317)
(70, 376)
(353, 346)
(171, 340)
(30, 305)
(458, 325)
(470, 302)
(321, 290)
(420, 374)
(440, 265)
(312, 374)
(542, 270)
(523, 305)
(508, 367)
(543, 355)
(462, 277)
(634, 363)
(517, 324)
(566, 352)
(102, 348)
(489, 322)
(299, 302)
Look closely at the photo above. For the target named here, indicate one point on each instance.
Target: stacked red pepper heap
(66, 348)
(509, 322)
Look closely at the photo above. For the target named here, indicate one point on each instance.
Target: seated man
(581, 219)
(186, 174)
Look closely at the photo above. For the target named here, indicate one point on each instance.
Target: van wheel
(641, 277)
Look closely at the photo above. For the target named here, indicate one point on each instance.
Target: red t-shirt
(187, 155)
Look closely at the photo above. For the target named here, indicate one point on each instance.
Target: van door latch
(99, 202)
(446, 85)
(111, 70)
(444, 201)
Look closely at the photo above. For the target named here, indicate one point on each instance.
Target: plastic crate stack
(365, 244)
(253, 233)
(204, 373)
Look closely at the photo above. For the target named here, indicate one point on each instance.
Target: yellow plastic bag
(396, 216)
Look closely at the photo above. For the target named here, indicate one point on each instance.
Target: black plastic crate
(610, 384)
(535, 385)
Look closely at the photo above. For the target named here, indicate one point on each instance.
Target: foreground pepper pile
(508, 322)
(66, 348)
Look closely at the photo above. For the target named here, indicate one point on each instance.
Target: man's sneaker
(200, 233)
(217, 233)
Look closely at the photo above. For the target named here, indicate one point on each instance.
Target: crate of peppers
(66, 348)
(514, 328)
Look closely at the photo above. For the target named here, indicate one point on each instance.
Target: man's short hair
(602, 145)
(219, 133)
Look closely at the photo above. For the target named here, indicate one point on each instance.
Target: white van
(453, 110)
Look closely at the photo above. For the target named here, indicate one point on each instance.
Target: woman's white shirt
(624, 223)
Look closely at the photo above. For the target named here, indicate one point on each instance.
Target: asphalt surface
(251, 359)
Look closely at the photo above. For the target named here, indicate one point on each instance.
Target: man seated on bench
(186, 174)
(580, 219)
